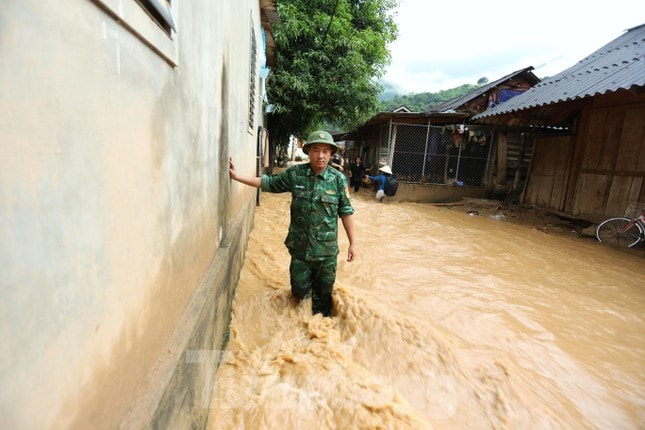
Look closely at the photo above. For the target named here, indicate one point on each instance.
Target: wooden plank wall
(612, 173)
(547, 181)
(513, 155)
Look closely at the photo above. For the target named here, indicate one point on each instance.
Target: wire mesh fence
(429, 154)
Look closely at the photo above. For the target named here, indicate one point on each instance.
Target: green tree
(328, 56)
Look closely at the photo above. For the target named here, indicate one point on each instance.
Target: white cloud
(442, 45)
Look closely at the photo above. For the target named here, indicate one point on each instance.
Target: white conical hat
(386, 169)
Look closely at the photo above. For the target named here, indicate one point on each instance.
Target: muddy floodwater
(444, 321)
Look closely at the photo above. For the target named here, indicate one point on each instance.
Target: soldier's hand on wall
(232, 173)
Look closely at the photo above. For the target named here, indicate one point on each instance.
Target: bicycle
(622, 231)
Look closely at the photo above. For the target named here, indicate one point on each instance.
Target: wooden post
(502, 150)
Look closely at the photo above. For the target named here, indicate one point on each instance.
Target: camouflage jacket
(316, 203)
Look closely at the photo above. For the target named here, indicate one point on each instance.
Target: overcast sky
(442, 45)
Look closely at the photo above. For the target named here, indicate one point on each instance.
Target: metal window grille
(253, 60)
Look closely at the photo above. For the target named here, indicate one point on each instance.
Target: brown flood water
(445, 321)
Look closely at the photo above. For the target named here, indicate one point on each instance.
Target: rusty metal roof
(415, 118)
(269, 17)
(385, 118)
(457, 102)
(619, 65)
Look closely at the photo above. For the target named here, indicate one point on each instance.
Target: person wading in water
(381, 178)
(319, 196)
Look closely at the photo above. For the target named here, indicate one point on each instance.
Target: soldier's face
(319, 155)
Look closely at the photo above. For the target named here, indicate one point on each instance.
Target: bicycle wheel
(615, 232)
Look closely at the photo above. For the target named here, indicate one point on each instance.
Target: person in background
(319, 196)
(356, 173)
(380, 179)
(337, 162)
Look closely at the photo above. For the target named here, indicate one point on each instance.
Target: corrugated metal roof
(619, 65)
(454, 104)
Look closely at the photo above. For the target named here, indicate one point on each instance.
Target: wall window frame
(160, 11)
(151, 21)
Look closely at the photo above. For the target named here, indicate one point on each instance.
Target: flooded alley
(444, 321)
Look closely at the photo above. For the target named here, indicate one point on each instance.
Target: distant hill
(388, 93)
(419, 102)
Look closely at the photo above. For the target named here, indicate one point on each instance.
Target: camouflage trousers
(317, 276)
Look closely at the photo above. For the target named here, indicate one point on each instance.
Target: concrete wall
(121, 238)
(424, 193)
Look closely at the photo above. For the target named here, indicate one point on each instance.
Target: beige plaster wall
(120, 236)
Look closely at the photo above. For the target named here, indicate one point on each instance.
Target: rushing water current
(444, 321)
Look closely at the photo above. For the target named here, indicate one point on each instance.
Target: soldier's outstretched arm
(253, 181)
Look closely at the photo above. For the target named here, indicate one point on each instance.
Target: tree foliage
(328, 54)
(420, 102)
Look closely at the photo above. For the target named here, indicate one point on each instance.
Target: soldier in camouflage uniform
(320, 196)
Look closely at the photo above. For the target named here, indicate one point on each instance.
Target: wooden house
(587, 124)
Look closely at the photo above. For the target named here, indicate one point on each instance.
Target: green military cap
(320, 136)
